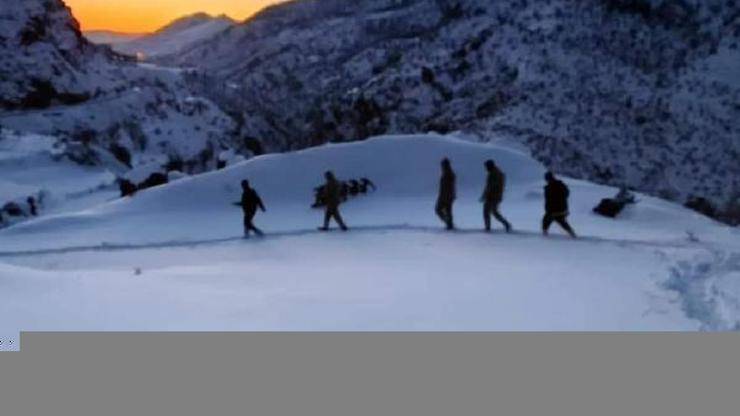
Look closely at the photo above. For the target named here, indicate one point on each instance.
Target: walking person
(556, 205)
(251, 201)
(32, 208)
(447, 195)
(492, 196)
(332, 198)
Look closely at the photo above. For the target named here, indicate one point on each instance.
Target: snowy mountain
(623, 92)
(107, 37)
(172, 257)
(44, 58)
(97, 104)
(177, 37)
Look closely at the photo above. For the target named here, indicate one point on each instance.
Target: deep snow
(171, 258)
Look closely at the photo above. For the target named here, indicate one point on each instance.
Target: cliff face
(631, 92)
(44, 58)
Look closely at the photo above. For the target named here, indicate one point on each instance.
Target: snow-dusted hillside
(35, 166)
(177, 37)
(634, 92)
(44, 58)
(107, 37)
(172, 258)
(96, 102)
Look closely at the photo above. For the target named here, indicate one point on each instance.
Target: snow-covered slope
(56, 83)
(177, 37)
(172, 257)
(35, 166)
(630, 92)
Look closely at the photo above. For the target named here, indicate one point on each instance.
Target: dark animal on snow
(155, 179)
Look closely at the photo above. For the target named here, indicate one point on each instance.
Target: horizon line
(121, 32)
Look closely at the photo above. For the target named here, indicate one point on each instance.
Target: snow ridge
(173, 251)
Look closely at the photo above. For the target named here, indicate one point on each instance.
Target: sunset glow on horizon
(140, 16)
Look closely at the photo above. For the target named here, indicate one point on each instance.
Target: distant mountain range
(176, 37)
(108, 37)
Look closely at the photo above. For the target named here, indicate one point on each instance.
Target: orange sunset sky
(136, 16)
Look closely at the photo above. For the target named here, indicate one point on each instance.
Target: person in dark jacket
(556, 205)
(332, 198)
(492, 196)
(447, 195)
(32, 206)
(249, 203)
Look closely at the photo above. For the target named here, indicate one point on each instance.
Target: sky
(137, 16)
